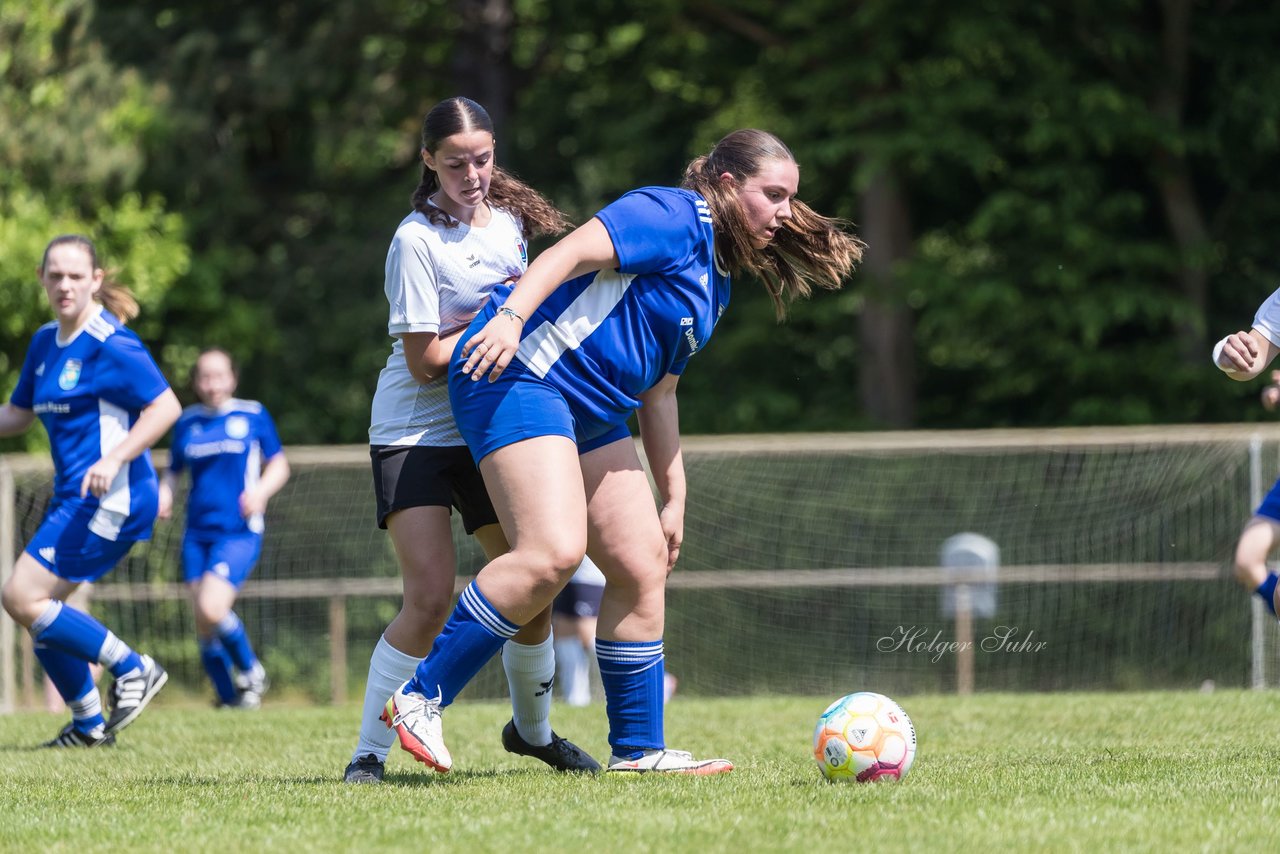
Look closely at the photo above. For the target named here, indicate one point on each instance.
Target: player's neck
(68, 329)
(478, 216)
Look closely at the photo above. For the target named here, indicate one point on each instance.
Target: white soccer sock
(574, 667)
(531, 671)
(389, 668)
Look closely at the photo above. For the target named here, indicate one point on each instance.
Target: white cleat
(669, 762)
(416, 720)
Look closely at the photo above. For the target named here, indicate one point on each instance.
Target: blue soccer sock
(74, 681)
(65, 629)
(1267, 592)
(213, 655)
(474, 633)
(632, 673)
(236, 641)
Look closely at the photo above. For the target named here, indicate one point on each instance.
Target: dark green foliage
(245, 164)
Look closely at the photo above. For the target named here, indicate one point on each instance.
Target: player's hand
(492, 348)
(1270, 397)
(1239, 351)
(672, 520)
(251, 503)
(165, 510)
(99, 477)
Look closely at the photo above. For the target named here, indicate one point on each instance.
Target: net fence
(811, 564)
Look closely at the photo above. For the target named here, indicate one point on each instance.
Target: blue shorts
(1270, 506)
(231, 557)
(66, 543)
(520, 405)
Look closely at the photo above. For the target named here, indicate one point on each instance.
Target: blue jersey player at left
(231, 448)
(104, 403)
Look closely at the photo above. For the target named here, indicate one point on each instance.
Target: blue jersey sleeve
(654, 229)
(267, 436)
(177, 451)
(128, 376)
(24, 394)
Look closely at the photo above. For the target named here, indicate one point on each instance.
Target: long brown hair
(461, 115)
(809, 249)
(115, 297)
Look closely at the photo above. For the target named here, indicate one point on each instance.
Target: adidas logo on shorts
(48, 553)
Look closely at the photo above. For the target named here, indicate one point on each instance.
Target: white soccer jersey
(1267, 320)
(436, 280)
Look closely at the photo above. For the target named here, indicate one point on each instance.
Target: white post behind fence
(1258, 611)
(8, 526)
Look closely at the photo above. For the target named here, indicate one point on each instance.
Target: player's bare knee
(425, 615)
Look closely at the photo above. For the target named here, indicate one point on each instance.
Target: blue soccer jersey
(605, 338)
(88, 393)
(225, 448)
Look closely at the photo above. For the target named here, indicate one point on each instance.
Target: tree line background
(1065, 203)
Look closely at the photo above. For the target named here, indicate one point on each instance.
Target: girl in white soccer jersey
(467, 231)
(104, 403)
(237, 465)
(600, 326)
(1242, 356)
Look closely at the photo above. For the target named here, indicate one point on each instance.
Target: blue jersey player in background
(233, 453)
(104, 403)
(602, 325)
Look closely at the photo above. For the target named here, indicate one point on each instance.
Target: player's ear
(727, 178)
(428, 161)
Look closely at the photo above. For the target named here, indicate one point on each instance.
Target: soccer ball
(864, 737)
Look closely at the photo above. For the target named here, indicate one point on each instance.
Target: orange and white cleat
(416, 720)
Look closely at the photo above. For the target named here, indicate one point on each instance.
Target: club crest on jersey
(524, 253)
(237, 426)
(70, 375)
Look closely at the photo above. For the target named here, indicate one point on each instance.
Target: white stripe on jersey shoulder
(252, 407)
(52, 324)
(704, 212)
(544, 346)
(99, 327)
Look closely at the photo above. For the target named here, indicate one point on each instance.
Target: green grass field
(1082, 772)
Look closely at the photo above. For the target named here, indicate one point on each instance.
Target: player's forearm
(153, 422)
(15, 419)
(274, 476)
(587, 249)
(659, 420)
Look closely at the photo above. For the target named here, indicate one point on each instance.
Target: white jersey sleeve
(1267, 320)
(411, 285)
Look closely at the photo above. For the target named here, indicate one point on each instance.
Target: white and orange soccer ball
(864, 737)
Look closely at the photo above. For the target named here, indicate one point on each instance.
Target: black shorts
(578, 600)
(430, 476)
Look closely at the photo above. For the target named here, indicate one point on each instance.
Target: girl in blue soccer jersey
(468, 230)
(104, 403)
(237, 465)
(600, 326)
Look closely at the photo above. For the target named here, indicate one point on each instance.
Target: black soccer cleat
(131, 693)
(72, 737)
(364, 769)
(561, 754)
